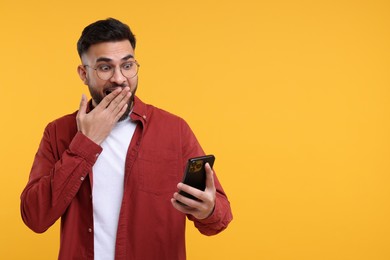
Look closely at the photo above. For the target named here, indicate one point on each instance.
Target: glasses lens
(130, 70)
(105, 75)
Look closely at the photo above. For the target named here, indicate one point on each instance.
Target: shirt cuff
(84, 147)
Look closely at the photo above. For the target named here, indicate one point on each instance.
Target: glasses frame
(120, 69)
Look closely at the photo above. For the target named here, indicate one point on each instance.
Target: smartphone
(195, 173)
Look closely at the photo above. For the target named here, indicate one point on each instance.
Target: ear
(82, 71)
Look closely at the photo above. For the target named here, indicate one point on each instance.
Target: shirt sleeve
(222, 214)
(56, 177)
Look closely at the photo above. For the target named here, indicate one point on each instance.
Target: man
(112, 169)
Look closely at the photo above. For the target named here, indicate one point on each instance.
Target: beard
(98, 97)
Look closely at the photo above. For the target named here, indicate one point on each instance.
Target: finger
(118, 110)
(190, 190)
(183, 208)
(178, 206)
(179, 197)
(121, 112)
(119, 101)
(209, 177)
(109, 98)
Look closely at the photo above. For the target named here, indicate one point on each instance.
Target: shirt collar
(139, 112)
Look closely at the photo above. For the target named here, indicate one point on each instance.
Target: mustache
(117, 85)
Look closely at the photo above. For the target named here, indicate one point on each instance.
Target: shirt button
(144, 116)
(81, 178)
(90, 230)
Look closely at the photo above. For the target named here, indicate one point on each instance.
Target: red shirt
(60, 186)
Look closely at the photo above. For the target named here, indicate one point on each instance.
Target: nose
(118, 77)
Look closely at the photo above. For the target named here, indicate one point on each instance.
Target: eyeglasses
(106, 71)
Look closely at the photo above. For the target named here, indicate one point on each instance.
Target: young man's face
(104, 56)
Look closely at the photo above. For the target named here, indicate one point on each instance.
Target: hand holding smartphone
(195, 173)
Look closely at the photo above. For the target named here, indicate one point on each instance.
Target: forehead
(114, 51)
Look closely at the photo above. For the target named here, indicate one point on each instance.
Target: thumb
(83, 105)
(82, 111)
(209, 177)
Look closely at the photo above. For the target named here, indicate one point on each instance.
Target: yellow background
(291, 96)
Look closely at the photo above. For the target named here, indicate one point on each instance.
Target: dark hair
(109, 30)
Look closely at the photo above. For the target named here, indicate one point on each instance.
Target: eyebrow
(130, 56)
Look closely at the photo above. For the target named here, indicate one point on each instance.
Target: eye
(128, 66)
(104, 68)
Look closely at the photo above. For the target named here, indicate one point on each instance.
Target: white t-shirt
(107, 189)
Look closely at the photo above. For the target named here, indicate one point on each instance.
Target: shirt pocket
(158, 171)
